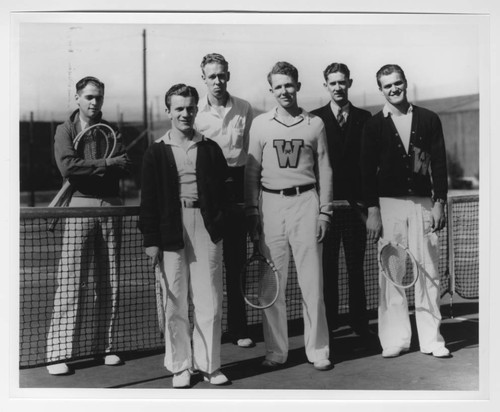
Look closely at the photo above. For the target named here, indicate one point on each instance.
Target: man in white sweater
(288, 201)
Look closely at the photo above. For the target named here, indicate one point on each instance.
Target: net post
(451, 253)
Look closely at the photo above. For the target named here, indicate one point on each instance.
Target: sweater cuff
(325, 217)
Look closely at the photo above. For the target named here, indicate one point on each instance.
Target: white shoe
(393, 352)
(323, 365)
(112, 360)
(245, 343)
(441, 352)
(58, 369)
(216, 378)
(182, 379)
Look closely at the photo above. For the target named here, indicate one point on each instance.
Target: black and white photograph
(242, 205)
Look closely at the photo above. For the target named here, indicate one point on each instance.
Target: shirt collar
(205, 106)
(345, 109)
(83, 124)
(198, 137)
(389, 110)
(273, 114)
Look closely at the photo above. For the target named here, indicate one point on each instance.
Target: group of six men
(219, 174)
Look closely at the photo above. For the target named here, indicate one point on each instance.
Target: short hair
(389, 69)
(214, 58)
(89, 80)
(336, 67)
(180, 90)
(284, 68)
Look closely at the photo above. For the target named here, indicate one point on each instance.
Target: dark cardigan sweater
(160, 217)
(388, 171)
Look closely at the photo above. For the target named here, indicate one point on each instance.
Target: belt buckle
(297, 190)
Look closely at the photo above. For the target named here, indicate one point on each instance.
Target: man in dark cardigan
(405, 185)
(183, 204)
(344, 124)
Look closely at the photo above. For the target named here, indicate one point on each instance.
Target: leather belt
(291, 191)
(190, 204)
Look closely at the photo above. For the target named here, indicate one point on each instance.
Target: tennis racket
(96, 142)
(398, 264)
(161, 297)
(259, 280)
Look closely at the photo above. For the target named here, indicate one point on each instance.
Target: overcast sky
(440, 57)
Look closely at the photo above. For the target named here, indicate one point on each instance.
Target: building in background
(459, 116)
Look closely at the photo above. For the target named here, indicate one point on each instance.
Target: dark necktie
(340, 120)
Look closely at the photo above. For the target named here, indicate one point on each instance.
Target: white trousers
(292, 222)
(408, 221)
(91, 246)
(193, 272)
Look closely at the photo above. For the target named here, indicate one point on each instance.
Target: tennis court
(356, 368)
(140, 343)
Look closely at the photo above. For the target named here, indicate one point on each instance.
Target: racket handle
(52, 224)
(256, 245)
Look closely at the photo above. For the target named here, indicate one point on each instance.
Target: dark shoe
(363, 332)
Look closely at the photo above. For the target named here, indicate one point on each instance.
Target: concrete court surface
(356, 367)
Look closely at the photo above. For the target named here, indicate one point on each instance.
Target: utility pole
(145, 94)
(31, 158)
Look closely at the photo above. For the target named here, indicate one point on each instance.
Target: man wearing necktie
(344, 125)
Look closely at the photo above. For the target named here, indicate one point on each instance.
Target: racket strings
(94, 144)
(260, 284)
(397, 265)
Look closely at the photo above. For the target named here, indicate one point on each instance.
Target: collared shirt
(229, 131)
(402, 122)
(185, 160)
(83, 124)
(336, 109)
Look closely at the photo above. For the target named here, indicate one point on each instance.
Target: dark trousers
(348, 228)
(235, 254)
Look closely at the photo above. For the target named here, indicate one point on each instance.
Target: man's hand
(121, 161)
(254, 227)
(322, 230)
(154, 253)
(373, 224)
(438, 220)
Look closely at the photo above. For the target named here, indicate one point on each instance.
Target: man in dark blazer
(344, 126)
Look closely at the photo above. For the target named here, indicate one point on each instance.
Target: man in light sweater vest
(288, 200)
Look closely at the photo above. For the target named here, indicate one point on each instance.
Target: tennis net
(89, 241)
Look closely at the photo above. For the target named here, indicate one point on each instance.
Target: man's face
(338, 85)
(393, 86)
(284, 90)
(182, 113)
(216, 78)
(90, 100)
